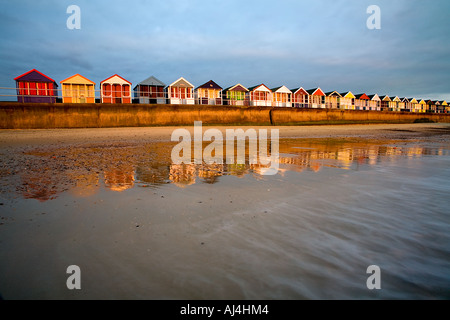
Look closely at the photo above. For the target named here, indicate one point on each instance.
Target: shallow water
(140, 227)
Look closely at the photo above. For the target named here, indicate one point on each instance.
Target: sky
(296, 43)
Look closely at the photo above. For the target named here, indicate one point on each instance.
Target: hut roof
(210, 85)
(34, 75)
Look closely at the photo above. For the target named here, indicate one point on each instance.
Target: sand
(309, 233)
(80, 136)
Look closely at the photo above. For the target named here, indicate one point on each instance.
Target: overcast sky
(306, 43)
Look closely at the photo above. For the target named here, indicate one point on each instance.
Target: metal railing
(8, 94)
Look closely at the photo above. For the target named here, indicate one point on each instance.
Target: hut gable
(261, 87)
(238, 87)
(315, 92)
(151, 81)
(282, 89)
(333, 94)
(34, 76)
(210, 85)
(116, 79)
(348, 94)
(362, 96)
(181, 83)
(77, 79)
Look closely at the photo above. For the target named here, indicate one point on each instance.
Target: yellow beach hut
(347, 101)
(415, 107)
(423, 106)
(78, 89)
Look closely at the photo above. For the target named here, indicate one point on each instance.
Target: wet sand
(78, 136)
(379, 197)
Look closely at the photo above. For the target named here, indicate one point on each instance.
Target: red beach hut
(115, 89)
(34, 86)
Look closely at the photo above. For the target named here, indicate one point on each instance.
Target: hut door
(117, 93)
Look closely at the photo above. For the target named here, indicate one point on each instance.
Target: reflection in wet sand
(81, 170)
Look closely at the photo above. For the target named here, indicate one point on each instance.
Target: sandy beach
(139, 227)
(135, 134)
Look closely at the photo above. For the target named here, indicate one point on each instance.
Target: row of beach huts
(34, 86)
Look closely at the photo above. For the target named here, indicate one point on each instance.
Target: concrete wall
(15, 115)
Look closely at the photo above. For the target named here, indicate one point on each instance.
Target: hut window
(126, 90)
(107, 89)
(33, 91)
(174, 92)
(23, 88)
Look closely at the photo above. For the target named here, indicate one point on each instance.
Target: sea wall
(15, 115)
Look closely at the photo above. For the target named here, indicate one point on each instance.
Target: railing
(140, 97)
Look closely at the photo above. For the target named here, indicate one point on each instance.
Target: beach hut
(316, 98)
(150, 90)
(235, 95)
(395, 104)
(209, 93)
(385, 103)
(115, 89)
(431, 106)
(362, 101)
(415, 107)
(34, 86)
(78, 89)
(332, 100)
(281, 97)
(375, 102)
(347, 100)
(444, 106)
(300, 98)
(423, 106)
(180, 92)
(407, 105)
(259, 96)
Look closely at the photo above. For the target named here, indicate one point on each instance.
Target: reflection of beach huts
(332, 100)
(180, 92)
(78, 89)
(316, 98)
(119, 179)
(362, 101)
(300, 98)
(347, 101)
(260, 96)
(115, 89)
(209, 93)
(281, 97)
(151, 90)
(182, 175)
(235, 95)
(35, 87)
(375, 102)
